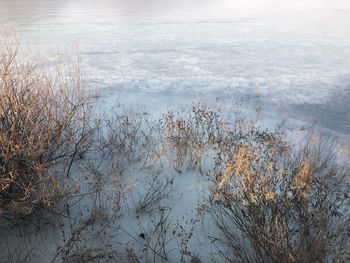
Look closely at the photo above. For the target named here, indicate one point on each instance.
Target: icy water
(290, 57)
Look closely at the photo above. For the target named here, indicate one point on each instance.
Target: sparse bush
(155, 192)
(152, 242)
(122, 139)
(189, 136)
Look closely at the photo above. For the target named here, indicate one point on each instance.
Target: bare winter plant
(271, 204)
(268, 201)
(44, 128)
(188, 137)
(156, 192)
(152, 244)
(92, 215)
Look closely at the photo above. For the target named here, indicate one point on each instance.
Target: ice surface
(280, 54)
(292, 58)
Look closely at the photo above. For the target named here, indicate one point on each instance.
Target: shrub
(44, 124)
(272, 205)
(188, 137)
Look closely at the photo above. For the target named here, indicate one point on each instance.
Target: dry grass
(187, 137)
(269, 201)
(154, 193)
(271, 205)
(44, 124)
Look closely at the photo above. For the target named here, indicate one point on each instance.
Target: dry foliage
(44, 128)
(272, 205)
(188, 137)
(269, 202)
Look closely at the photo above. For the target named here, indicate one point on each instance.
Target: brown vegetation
(44, 127)
(271, 205)
(268, 201)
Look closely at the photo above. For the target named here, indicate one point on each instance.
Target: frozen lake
(290, 57)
